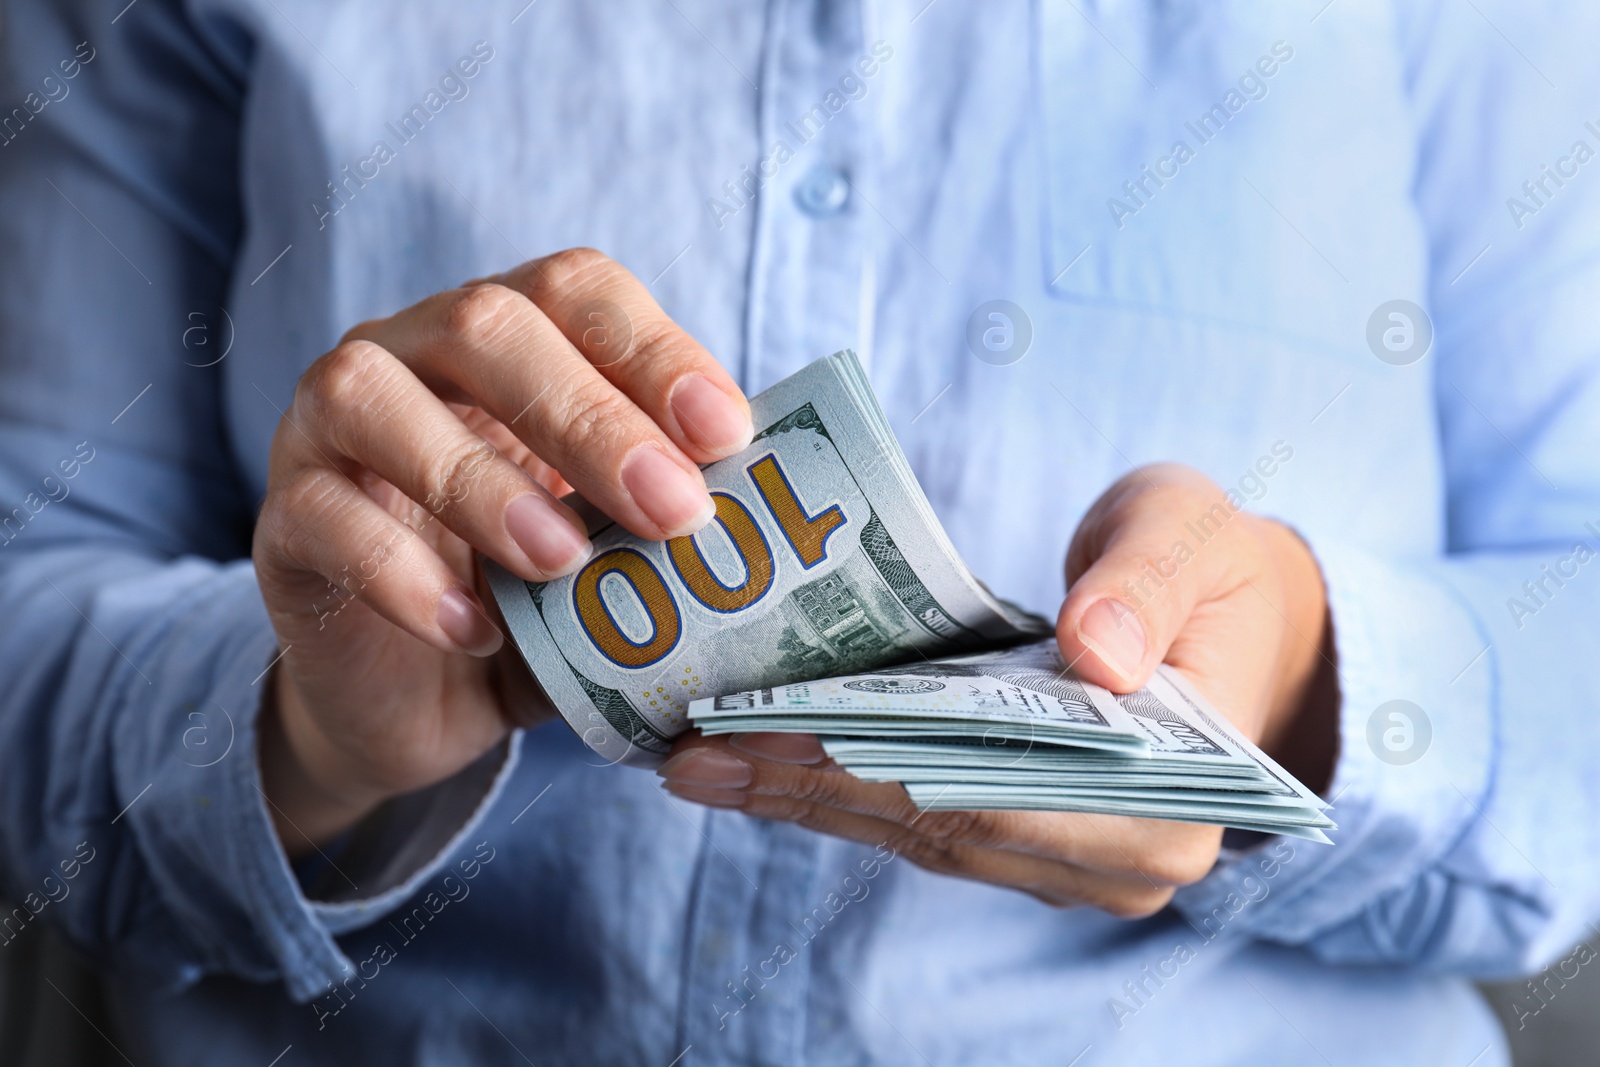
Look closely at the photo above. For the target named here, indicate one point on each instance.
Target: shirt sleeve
(136, 646)
(1466, 841)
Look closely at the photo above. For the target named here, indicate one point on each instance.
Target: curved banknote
(825, 558)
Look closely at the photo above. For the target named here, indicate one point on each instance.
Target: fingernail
(706, 766)
(670, 496)
(1113, 631)
(548, 538)
(463, 622)
(781, 748)
(710, 417)
(711, 798)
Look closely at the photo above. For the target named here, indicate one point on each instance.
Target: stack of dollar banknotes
(826, 598)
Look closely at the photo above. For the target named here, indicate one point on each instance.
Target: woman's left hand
(1243, 614)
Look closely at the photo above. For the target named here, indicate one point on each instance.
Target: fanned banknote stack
(1014, 729)
(826, 561)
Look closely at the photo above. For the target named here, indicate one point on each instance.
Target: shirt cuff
(203, 830)
(1410, 778)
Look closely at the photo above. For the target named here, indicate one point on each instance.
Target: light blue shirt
(1201, 212)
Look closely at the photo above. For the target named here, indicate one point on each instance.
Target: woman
(259, 708)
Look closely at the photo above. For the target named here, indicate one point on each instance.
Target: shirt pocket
(1227, 159)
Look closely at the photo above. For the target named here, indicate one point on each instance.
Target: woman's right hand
(450, 427)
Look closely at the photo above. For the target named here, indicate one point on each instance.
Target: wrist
(311, 795)
(1302, 728)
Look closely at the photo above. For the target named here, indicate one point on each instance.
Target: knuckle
(802, 813)
(477, 314)
(591, 416)
(822, 787)
(299, 511)
(977, 828)
(662, 345)
(338, 384)
(309, 493)
(449, 475)
(363, 329)
(1157, 497)
(939, 854)
(561, 273)
(1173, 482)
(603, 332)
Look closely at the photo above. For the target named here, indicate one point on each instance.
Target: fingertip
(711, 419)
(701, 519)
(1106, 643)
(550, 536)
(710, 797)
(672, 497)
(462, 619)
(707, 766)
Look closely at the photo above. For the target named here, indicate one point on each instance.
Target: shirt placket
(747, 974)
(808, 260)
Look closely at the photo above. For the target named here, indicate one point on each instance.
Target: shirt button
(822, 191)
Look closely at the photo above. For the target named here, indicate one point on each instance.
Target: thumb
(1138, 592)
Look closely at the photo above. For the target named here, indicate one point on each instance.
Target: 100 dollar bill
(824, 559)
(1016, 729)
